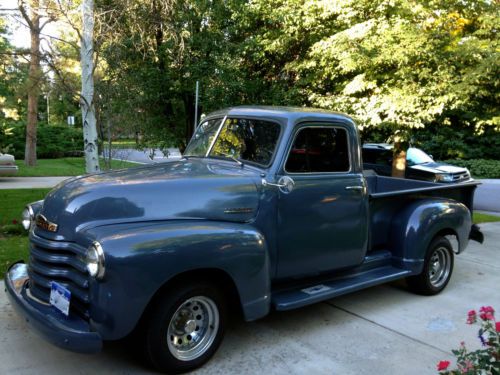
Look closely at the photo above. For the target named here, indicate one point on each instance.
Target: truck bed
(389, 195)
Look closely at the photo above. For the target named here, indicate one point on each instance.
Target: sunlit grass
(62, 167)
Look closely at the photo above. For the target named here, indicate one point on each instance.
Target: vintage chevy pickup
(268, 209)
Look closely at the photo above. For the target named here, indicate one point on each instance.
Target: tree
(398, 65)
(32, 14)
(87, 95)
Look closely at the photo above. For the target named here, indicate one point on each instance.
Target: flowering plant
(482, 361)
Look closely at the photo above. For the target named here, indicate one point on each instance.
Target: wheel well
(451, 236)
(210, 275)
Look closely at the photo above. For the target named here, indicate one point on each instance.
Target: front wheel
(438, 267)
(185, 328)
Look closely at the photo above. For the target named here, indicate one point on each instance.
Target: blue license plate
(60, 297)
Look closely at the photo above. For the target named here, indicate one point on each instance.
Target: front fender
(414, 228)
(142, 257)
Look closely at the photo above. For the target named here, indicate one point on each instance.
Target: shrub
(479, 168)
(482, 361)
(52, 141)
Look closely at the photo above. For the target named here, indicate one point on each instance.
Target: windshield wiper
(229, 156)
(192, 156)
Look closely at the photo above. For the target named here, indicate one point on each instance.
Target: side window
(318, 149)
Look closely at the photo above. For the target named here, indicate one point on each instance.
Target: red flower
(443, 365)
(497, 326)
(14, 222)
(487, 313)
(471, 317)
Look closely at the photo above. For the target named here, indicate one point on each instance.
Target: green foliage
(52, 141)
(479, 168)
(392, 64)
(423, 71)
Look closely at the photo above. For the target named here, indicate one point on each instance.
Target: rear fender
(141, 258)
(414, 227)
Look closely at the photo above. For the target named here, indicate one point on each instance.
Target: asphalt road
(144, 156)
(381, 330)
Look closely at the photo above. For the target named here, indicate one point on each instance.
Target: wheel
(185, 328)
(438, 267)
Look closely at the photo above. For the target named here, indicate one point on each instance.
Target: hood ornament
(42, 222)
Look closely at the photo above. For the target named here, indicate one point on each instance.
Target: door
(323, 221)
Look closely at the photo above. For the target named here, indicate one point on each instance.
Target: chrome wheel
(193, 328)
(439, 267)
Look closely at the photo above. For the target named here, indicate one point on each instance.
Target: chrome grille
(62, 262)
(462, 176)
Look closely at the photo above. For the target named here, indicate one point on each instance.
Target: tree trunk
(34, 77)
(398, 161)
(87, 97)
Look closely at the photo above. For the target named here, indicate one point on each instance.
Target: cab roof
(291, 113)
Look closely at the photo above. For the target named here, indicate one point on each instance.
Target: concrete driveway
(382, 330)
(30, 182)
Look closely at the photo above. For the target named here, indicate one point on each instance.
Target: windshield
(243, 139)
(417, 156)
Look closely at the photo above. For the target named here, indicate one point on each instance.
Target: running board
(295, 298)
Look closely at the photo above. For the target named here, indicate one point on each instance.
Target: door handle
(285, 184)
(360, 188)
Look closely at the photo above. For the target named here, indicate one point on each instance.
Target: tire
(438, 267)
(184, 328)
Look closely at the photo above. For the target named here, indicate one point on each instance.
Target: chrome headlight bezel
(28, 217)
(94, 261)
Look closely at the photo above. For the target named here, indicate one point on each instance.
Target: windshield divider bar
(216, 136)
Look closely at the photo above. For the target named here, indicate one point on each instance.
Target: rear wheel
(185, 328)
(438, 267)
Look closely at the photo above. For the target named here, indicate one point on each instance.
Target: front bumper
(71, 333)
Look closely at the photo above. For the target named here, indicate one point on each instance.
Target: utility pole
(87, 96)
(47, 96)
(196, 105)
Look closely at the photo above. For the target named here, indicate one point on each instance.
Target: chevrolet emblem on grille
(42, 222)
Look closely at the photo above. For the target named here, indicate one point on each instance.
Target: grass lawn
(63, 167)
(14, 241)
(13, 238)
(484, 218)
(14, 201)
(12, 249)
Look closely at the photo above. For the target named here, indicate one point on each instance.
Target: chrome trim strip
(31, 296)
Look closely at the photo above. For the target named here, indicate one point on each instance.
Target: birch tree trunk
(87, 96)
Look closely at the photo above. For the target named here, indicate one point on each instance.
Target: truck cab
(268, 209)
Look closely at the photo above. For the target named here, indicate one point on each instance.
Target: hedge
(52, 141)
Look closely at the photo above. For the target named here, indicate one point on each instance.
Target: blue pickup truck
(269, 208)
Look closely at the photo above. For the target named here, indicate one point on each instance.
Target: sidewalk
(30, 182)
(381, 330)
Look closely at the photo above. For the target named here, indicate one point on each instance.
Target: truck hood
(439, 168)
(186, 189)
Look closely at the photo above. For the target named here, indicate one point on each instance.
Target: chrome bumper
(71, 333)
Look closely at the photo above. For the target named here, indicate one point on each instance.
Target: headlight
(28, 217)
(95, 260)
(444, 177)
